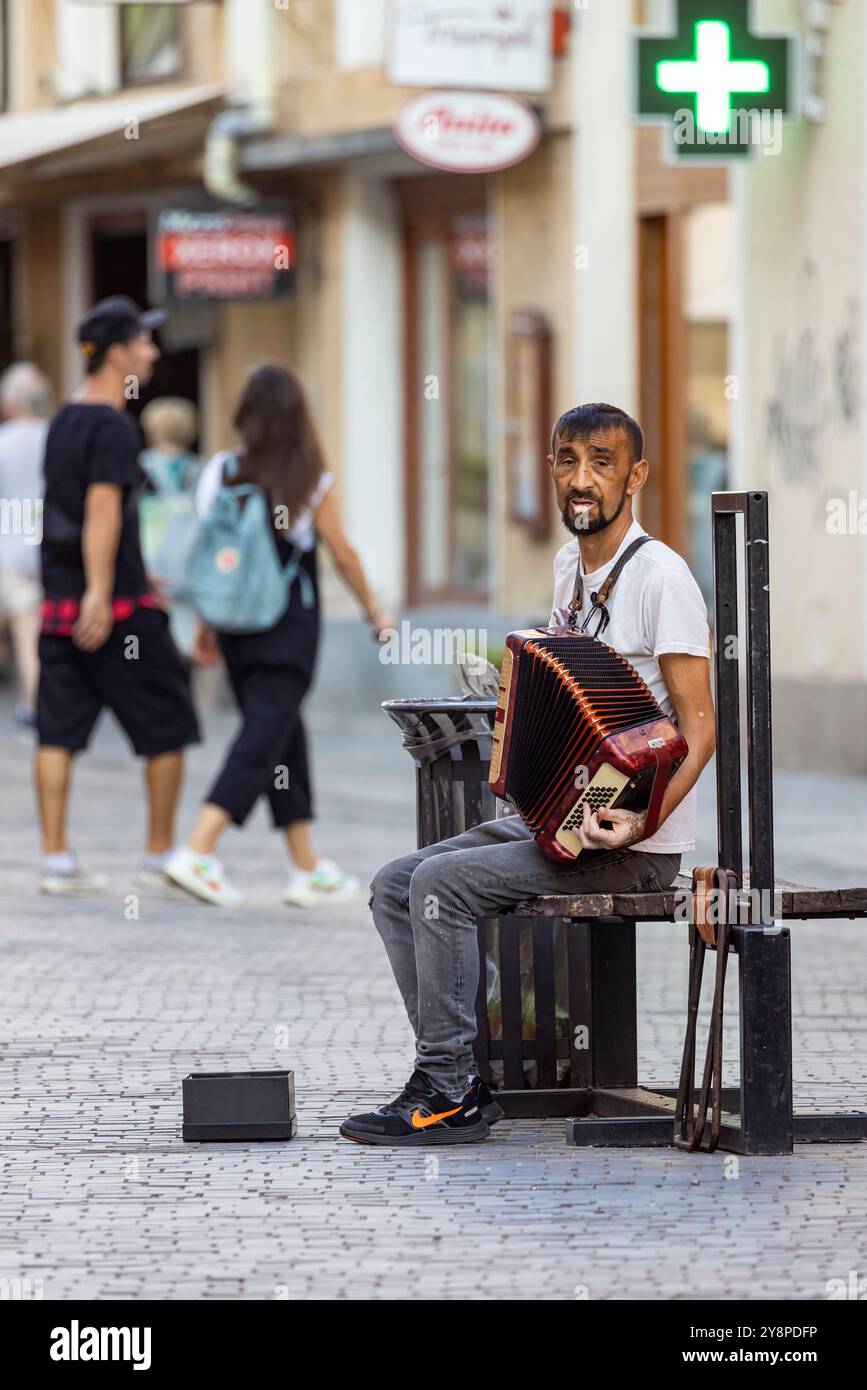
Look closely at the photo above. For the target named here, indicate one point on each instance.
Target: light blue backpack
(234, 575)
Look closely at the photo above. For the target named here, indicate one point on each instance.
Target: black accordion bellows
(574, 694)
(577, 727)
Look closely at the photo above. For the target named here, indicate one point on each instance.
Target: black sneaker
(421, 1115)
(489, 1108)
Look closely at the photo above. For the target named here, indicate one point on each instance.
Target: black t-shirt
(89, 444)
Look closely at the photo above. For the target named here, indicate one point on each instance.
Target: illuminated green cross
(713, 75)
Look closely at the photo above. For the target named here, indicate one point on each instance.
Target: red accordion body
(576, 724)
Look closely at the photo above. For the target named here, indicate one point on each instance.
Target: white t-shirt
(655, 607)
(302, 531)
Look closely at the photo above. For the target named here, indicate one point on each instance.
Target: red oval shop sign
(467, 132)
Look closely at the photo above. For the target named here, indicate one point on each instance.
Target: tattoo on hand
(635, 825)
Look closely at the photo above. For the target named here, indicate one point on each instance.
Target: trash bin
(449, 740)
(523, 1041)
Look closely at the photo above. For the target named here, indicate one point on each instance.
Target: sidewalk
(103, 1013)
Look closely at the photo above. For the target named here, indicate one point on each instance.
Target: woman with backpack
(253, 576)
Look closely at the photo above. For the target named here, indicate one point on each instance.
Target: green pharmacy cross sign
(725, 88)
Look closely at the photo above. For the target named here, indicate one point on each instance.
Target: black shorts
(137, 674)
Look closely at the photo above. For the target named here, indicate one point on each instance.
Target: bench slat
(797, 901)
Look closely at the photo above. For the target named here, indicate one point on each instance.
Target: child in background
(168, 507)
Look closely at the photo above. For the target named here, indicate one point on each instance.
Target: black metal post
(766, 1039)
(581, 1035)
(728, 719)
(763, 950)
(759, 755)
(614, 1030)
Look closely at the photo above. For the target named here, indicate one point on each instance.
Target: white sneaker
(202, 875)
(69, 879)
(327, 883)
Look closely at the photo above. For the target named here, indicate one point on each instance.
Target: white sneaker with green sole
(326, 884)
(202, 875)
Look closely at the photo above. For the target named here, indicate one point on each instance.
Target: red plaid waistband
(59, 615)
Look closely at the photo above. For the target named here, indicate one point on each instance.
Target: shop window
(707, 439)
(151, 43)
(448, 366)
(708, 300)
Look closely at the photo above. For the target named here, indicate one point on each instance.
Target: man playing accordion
(656, 619)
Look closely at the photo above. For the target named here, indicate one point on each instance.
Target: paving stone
(101, 1017)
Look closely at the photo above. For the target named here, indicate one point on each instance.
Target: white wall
(800, 354)
(372, 366)
(863, 451)
(604, 293)
(359, 33)
(87, 49)
(252, 33)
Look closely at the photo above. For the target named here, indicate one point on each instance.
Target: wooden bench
(603, 1101)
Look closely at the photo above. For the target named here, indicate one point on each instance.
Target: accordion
(576, 725)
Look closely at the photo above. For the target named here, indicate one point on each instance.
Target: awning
(89, 136)
(265, 153)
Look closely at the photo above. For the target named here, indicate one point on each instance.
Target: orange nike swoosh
(420, 1121)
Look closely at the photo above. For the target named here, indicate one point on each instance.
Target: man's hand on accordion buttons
(625, 828)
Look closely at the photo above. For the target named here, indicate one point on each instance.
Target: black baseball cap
(115, 320)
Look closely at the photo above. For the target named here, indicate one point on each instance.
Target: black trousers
(270, 673)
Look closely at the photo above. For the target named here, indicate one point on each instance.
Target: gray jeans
(426, 905)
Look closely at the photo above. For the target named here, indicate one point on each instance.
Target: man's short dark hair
(583, 420)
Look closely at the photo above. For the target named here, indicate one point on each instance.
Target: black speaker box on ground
(239, 1105)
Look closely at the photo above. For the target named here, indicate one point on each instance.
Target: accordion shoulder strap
(598, 600)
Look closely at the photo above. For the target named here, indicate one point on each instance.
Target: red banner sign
(224, 254)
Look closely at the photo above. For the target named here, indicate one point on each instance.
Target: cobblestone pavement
(102, 1013)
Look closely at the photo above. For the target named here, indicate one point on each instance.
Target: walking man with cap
(105, 641)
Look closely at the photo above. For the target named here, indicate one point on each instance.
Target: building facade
(442, 320)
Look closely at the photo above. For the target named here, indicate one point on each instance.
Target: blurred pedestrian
(105, 639)
(170, 426)
(272, 670)
(167, 506)
(25, 404)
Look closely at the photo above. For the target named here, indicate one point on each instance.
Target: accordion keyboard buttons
(595, 798)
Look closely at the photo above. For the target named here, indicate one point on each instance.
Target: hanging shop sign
(467, 132)
(529, 385)
(477, 43)
(723, 89)
(223, 254)
(471, 255)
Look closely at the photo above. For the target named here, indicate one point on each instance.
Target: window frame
(126, 81)
(428, 209)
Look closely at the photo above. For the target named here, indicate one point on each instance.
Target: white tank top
(302, 531)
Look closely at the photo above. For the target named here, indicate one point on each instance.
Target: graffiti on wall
(818, 382)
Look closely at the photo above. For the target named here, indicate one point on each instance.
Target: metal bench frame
(609, 1107)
